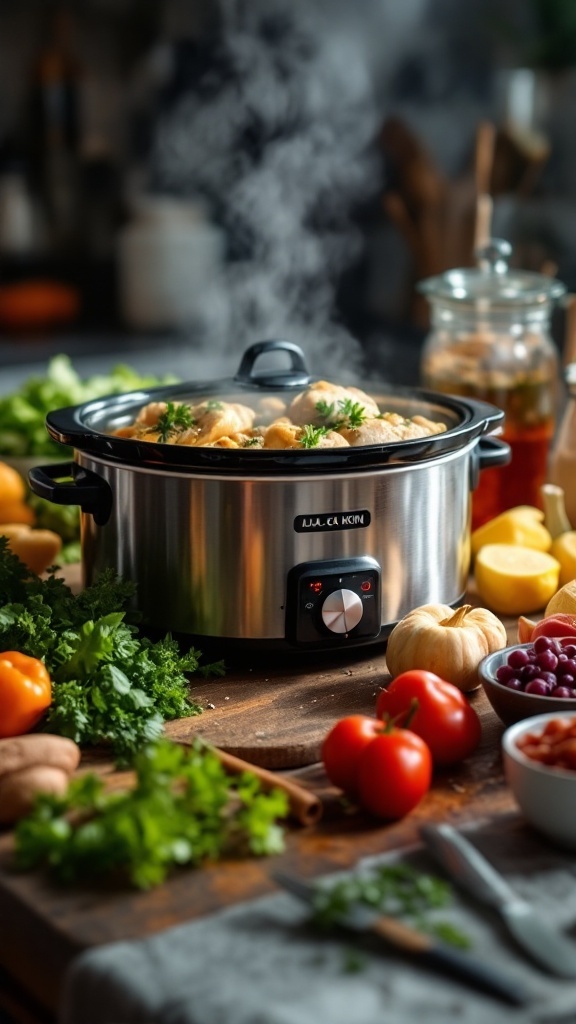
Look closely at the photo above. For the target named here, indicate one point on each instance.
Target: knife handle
(450, 961)
(483, 977)
(467, 865)
(400, 935)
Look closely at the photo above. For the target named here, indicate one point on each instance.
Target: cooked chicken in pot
(324, 415)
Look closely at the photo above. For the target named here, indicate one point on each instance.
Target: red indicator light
(366, 585)
(315, 586)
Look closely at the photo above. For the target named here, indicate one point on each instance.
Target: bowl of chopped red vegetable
(531, 679)
(540, 768)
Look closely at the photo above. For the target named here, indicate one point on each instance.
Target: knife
(424, 948)
(548, 946)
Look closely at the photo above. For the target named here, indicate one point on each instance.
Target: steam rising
(279, 139)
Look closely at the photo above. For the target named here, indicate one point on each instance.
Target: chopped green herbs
(110, 684)
(397, 890)
(184, 809)
(176, 418)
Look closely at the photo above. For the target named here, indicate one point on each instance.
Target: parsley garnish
(311, 436)
(213, 405)
(184, 809)
(326, 409)
(110, 684)
(175, 418)
(352, 414)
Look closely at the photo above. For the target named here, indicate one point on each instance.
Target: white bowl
(546, 796)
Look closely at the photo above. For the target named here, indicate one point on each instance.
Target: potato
(46, 749)
(36, 548)
(18, 790)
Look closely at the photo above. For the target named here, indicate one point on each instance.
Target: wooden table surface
(43, 926)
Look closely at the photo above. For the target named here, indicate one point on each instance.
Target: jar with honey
(490, 339)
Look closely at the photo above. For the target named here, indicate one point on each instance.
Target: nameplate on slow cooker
(314, 523)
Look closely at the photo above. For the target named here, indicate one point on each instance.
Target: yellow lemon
(522, 525)
(514, 580)
(564, 549)
(564, 600)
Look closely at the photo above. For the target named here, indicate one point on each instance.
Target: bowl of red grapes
(531, 679)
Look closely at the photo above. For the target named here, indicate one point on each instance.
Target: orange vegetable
(16, 512)
(555, 746)
(37, 304)
(12, 486)
(25, 692)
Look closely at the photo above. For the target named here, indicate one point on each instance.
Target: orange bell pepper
(25, 692)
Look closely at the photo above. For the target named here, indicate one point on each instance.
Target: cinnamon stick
(305, 807)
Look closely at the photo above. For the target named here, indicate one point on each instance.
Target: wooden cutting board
(276, 716)
(276, 713)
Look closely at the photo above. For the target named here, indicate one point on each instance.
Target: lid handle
(296, 376)
(493, 258)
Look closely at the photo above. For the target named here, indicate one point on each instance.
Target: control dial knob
(342, 610)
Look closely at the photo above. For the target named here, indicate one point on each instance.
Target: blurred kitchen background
(180, 178)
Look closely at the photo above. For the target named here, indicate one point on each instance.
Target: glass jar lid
(492, 283)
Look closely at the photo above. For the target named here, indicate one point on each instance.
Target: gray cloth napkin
(261, 963)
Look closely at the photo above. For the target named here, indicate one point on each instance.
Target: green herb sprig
(174, 419)
(183, 810)
(311, 436)
(352, 414)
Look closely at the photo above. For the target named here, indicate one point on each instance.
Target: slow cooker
(313, 549)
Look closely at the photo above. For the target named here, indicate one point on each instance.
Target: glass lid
(493, 282)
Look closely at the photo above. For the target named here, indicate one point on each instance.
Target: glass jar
(563, 458)
(490, 339)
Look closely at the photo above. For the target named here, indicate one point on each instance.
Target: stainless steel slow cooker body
(295, 550)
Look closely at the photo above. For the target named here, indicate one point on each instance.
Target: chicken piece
(389, 427)
(151, 413)
(429, 425)
(288, 435)
(270, 408)
(322, 403)
(238, 441)
(213, 420)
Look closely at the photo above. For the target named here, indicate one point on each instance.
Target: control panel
(334, 601)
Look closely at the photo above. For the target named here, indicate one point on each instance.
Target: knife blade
(424, 948)
(546, 945)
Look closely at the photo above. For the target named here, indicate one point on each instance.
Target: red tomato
(394, 773)
(443, 717)
(343, 746)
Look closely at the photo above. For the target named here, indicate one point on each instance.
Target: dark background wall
(283, 127)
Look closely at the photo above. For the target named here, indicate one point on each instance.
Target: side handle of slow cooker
(66, 483)
(489, 452)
